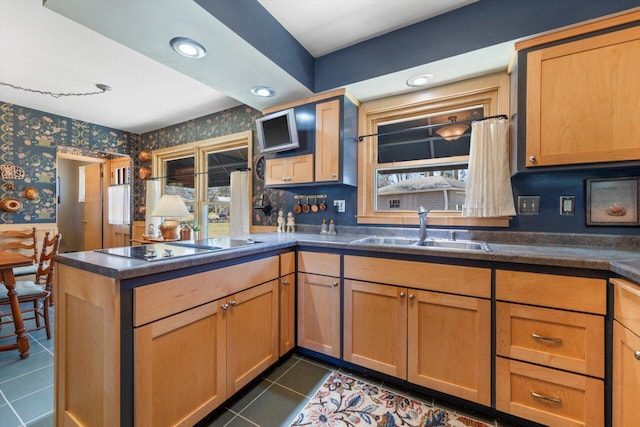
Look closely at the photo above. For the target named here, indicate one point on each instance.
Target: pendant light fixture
(453, 131)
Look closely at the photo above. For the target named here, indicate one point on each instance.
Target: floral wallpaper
(29, 140)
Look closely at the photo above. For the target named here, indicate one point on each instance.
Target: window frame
(491, 92)
(199, 150)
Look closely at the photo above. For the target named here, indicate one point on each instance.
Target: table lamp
(170, 207)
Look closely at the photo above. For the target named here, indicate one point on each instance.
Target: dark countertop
(624, 262)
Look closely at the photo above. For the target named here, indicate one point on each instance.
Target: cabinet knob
(224, 306)
(532, 159)
(285, 282)
(335, 284)
(334, 175)
(637, 354)
(232, 303)
(411, 296)
(401, 294)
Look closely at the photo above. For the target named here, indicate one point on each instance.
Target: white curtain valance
(489, 192)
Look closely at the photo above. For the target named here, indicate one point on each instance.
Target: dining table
(8, 261)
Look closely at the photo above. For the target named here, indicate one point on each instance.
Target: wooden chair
(39, 292)
(24, 242)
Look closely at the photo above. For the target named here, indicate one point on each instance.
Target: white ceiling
(324, 26)
(124, 44)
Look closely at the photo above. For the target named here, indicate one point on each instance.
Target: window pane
(220, 164)
(180, 178)
(434, 188)
(398, 144)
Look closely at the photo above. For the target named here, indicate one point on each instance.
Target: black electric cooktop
(171, 250)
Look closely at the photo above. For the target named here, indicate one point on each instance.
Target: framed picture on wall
(612, 201)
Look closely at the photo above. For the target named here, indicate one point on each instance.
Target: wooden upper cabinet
(289, 170)
(582, 100)
(328, 141)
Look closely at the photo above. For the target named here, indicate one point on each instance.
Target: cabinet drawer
(319, 263)
(556, 338)
(169, 297)
(548, 396)
(627, 304)
(471, 281)
(552, 290)
(287, 263)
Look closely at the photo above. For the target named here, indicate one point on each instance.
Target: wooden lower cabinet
(252, 334)
(287, 302)
(319, 313)
(626, 353)
(449, 347)
(318, 289)
(375, 327)
(188, 364)
(436, 340)
(177, 382)
(287, 313)
(548, 396)
(626, 376)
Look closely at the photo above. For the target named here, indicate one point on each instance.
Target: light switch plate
(567, 205)
(529, 205)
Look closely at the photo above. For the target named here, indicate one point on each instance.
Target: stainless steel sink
(460, 245)
(383, 241)
(464, 245)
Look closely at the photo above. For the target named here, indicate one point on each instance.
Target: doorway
(71, 203)
(83, 203)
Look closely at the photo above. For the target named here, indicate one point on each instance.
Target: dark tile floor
(26, 385)
(26, 390)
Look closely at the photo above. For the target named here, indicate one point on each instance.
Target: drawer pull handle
(545, 398)
(285, 282)
(543, 338)
(637, 354)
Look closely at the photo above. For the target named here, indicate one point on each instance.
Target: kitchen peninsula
(166, 342)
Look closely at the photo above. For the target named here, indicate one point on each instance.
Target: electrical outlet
(529, 205)
(567, 205)
(339, 205)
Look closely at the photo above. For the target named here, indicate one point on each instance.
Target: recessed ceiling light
(421, 80)
(263, 91)
(188, 47)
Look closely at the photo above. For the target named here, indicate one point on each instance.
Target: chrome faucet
(422, 215)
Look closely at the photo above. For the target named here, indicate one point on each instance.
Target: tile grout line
(32, 393)
(22, 424)
(26, 373)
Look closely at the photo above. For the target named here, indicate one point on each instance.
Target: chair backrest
(46, 264)
(24, 242)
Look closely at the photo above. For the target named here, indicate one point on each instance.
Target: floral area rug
(345, 401)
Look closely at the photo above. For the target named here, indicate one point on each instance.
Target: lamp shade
(452, 131)
(171, 206)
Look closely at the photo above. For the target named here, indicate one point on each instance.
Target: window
(200, 173)
(401, 170)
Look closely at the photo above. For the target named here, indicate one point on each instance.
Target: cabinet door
(289, 170)
(449, 346)
(319, 313)
(328, 141)
(275, 171)
(300, 169)
(287, 313)
(375, 327)
(180, 367)
(252, 333)
(626, 376)
(582, 100)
